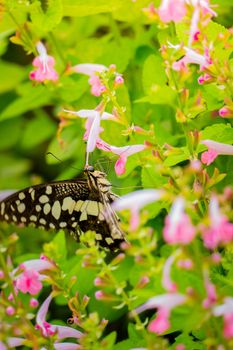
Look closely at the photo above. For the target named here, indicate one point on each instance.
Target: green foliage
(165, 109)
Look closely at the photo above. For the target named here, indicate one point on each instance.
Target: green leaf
(159, 95)
(73, 145)
(46, 19)
(218, 132)
(56, 249)
(38, 130)
(89, 7)
(178, 156)
(12, 128)
(11, 76)
(153, 74)
(35, 97)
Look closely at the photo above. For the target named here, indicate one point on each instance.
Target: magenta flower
(226, 310)
(215, 149)
(164, 303)
(220, 230)
(178, 228)
(135, 201)
(29, 280)
(48, 329)
(170, 10)
(44, 64)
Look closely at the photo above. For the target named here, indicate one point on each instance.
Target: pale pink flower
(191, 56)
(178, 227)
(164, 303)
(90, 115)
(205, 78)
(220, 230)
(93, 71)
(11, 343)
(44, 64)
(48, 329)
(135, 201)
(170, 10)
(215, 149)
(211, 298)
(167, 282)
(202, 14)
(119, 80)
(226, 310)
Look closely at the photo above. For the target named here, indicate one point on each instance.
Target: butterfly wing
(58, 205)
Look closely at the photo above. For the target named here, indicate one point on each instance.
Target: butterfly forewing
(77, 206)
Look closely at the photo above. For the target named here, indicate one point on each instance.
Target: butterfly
(76, 205)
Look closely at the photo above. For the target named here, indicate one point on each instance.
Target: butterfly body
(74, 205)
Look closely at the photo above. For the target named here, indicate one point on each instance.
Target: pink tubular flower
(220, 230)
(202, 13)
(170, 10)
(165, 303)
(191, 56)
(135, 201)
(29, 280)
(90, 115)
(215, 149)
(178, 228)
(226, 310)
(124, 153)
(167, 283)
(92, 70)
(48, 329)
(211, 292)
(225, 112)
(12, 342)
(44, 64)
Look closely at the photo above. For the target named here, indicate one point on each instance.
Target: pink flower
(202, 14)
(211, 292)
(171, 10)
(226, 310)
(225, 112)
(178, 227)
(48, 329)
(12, 342)
(29, 280)
(165, 303)
(135, 201)
(44, 64)
(90, 115)
(93, 71)
(124, 153)
(220, 229)
(167, 282)
(215, 149)
(191, 56)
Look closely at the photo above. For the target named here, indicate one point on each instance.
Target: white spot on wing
(48, 189)
(47, 208)
(21, 196)
(68, 204)
(56, 210)
(43, 199)
(21, 207)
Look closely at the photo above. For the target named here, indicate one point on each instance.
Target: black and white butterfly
(74, 205)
